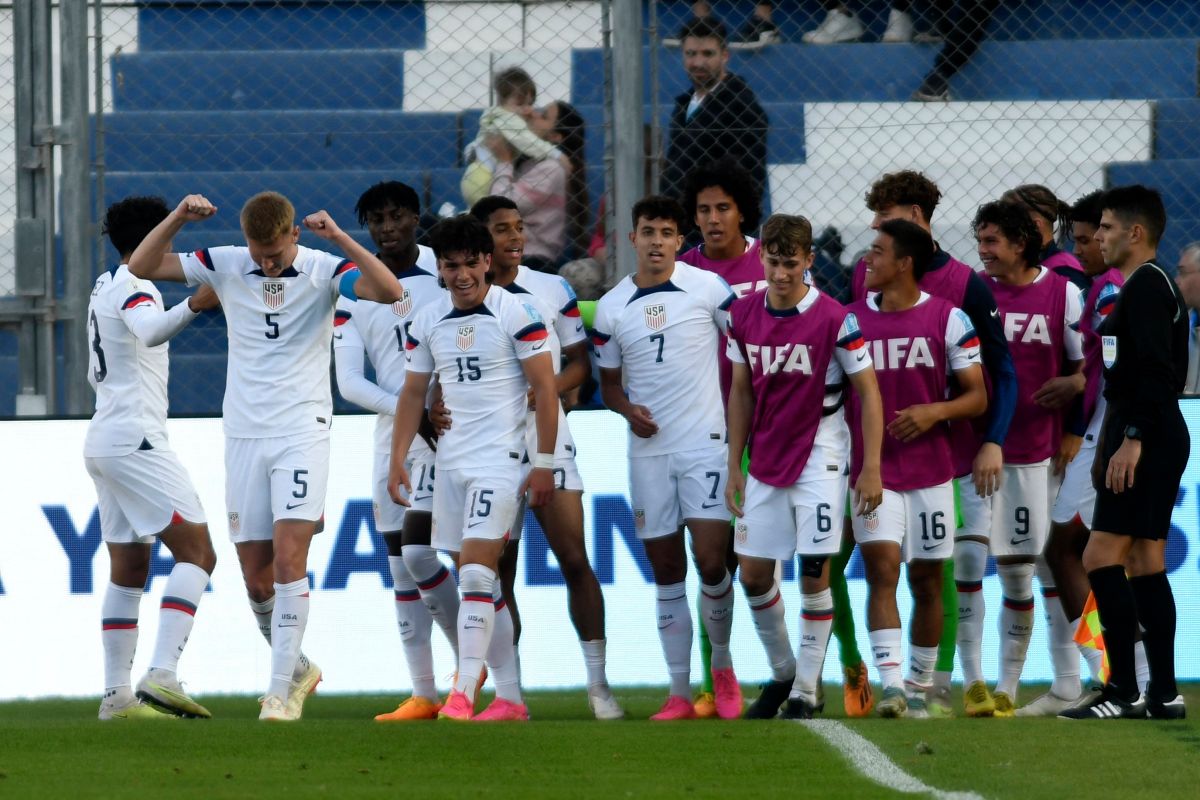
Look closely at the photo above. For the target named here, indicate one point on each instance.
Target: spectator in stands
(515, 94)
(841, 23)
(963, 35)
(760, 28)
(1187, 278)
(719, 116)
(702, 11)
(1053, 219)
(552, 200)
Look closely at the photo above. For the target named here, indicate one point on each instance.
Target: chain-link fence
(320, 100)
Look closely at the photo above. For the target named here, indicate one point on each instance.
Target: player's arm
(852, 357)
(980, 307)
(576, 367)
(152, 325)
(962, 359)
(349, 354)
(539, 372)
(612, 388)
(410, 407)
(151, 260)
(1068, 388)
(375, 281)
(739, 413)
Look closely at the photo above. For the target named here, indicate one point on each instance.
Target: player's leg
(937, 699)
(562, 523)
(668, 561)
(970, 566)
(856, 684)
(437, 586)
(770, 623)
(930, 520)
(129, 565)
(1156, 615)
(880, 535)
(509, 561)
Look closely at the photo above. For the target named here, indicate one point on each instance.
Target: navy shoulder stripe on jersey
(662, 287)
(467, 312)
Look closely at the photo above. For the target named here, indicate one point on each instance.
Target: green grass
(56, 748)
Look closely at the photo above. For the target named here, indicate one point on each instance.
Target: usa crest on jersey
(466, 337)
(273, 293)
(403, 306)
(656, 316)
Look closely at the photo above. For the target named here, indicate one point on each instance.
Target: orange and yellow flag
(1090, 634)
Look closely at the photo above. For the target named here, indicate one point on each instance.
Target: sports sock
(287, 633)
(1141, 665)
(1157, 615)
(437, 588)
(416, 627)
(716, 607)
(886, 648)
(945, 650)
(675, 633)
(970, 563)
(816, 624)
(595, 660)
(502, 652)
(119, 633)
(476, 618)
(921, 661)
(1114, 600)
(706, 681)
(262, 615)
(1091, 656)
(1016, 624)
(185, 587)
(843, 611)
(1064, 653)
(770, 622)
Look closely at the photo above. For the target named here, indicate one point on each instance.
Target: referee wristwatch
(1133, 432)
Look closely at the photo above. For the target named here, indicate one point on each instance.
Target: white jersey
(127, 333)
(477, 354)
(376, 331)
(665, 339)
(555, 300)
(278, 378)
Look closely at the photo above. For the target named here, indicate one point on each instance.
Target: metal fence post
(628, 151)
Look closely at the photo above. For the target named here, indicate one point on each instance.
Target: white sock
(287, 633)
(770, 621)
(1091, 656)
(1016, 624)
(502, 652)
(437, 588)
(816, 623)
(119, 633)
(716, 606)
(595, 659)
(1141, 666)
(416, 626)
(675, 633)
(1064, 653)
(185, 587)
(970, 563)
(887, 648)
(262, 615)
(476, 617)
(921, 661)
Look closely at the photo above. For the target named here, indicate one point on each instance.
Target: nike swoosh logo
(337, 336)
(1015, 542)
(419, 497)
(861, 356)
(928, 547)
(290, 506)
(473, 524)
(539, 345)
(995, 313)
(710, 505)
(823, 538)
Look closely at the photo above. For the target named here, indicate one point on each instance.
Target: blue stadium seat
(181, 141)
(207, 25)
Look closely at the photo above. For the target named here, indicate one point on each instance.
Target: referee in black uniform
(1143, 453)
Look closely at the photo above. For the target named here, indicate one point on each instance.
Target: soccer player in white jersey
(279, 300)
(424, 591)
(793, 349)
(562, 518)
(656, 334)
(487, 347)
(1040, 312)
(142, 488)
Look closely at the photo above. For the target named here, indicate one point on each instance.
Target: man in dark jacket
(718, 117)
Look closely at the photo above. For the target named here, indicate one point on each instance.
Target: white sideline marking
(873, 763)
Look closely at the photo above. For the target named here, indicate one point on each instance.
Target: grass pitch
(56, 748)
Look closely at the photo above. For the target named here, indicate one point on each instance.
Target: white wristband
(543, 461)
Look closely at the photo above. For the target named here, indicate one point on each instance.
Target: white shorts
(1077, 495)
(976, 511)
(389, 516)
(805, 518)
(267, 480)
(566, 478)
(141, 493)
(474, 503)
(1021, 510)
(666, 490)
(921, 521)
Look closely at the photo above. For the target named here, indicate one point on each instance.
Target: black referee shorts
(1143, 512)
